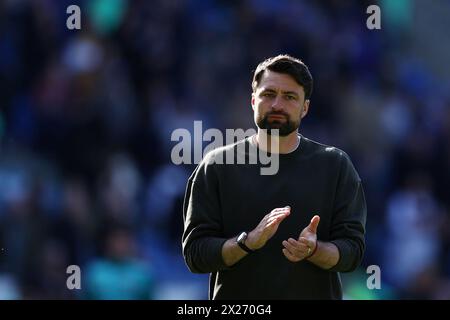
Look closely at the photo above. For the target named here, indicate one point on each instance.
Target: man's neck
(286, 144)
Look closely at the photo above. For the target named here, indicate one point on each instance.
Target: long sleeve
(349, 218)
(202, 236)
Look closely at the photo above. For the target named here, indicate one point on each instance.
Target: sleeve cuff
(345, 261)
(216, 245)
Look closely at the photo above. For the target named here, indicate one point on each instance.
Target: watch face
(242, 237)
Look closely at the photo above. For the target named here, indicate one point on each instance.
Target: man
(282, 236)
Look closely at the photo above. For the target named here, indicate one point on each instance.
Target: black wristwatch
(241, 242)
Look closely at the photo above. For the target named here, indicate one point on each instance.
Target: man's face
(279, 103)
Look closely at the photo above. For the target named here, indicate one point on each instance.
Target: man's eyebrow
(268, 90)
(283, 92)
(290, 92)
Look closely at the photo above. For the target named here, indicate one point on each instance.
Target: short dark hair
(286, 64)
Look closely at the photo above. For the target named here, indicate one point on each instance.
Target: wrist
(313, 252)
(250, 241)
(241, 240)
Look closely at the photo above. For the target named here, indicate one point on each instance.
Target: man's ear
(305, 108)
(253, 101)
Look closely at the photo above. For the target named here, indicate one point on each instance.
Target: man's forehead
(271, 80)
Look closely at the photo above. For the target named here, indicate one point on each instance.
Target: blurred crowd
(86, 118)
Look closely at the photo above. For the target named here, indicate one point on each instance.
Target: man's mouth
(276, 117)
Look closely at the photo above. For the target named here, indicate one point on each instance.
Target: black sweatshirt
(222, 200)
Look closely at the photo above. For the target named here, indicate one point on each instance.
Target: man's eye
(290, 97)
(268, 94)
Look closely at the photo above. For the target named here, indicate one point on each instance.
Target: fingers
(309, 243)
(314, 224)
(281, 208)
(277, 215)
(286, 209)
(276, 211)
(290, 256)
(296, 248)
(268, 226)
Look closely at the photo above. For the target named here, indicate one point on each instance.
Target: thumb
(313, 224)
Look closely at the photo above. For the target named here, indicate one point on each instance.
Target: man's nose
(277, 104)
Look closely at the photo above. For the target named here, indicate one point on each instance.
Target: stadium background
(86, 118)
